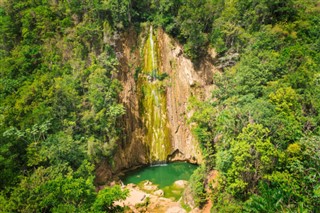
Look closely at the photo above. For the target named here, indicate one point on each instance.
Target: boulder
(181, 183)
(159, 193)
(150, 187)
(147, 183)
(175, 209)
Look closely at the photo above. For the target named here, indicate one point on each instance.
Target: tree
(100, 120)
(194, 21)
(120, 11)
(106, 197)
(253, 156)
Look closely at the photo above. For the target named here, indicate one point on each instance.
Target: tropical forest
(170, 106)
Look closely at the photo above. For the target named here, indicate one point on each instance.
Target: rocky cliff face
(183, 81)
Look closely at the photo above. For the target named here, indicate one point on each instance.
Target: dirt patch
(207, 207)
(212, 179)
(211, 183)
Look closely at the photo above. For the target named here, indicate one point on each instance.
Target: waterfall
(154, 105)
(152, 50)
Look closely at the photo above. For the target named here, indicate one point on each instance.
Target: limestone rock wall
(183, 81)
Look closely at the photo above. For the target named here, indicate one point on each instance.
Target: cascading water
(153, 104)
(153, 62)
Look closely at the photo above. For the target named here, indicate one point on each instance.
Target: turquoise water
(161, 175)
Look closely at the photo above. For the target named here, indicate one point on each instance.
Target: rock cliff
(183, 81)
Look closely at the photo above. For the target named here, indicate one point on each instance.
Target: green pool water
(163, 176)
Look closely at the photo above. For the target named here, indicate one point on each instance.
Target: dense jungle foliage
(59, 106)
(260, 130)
(59, 100)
